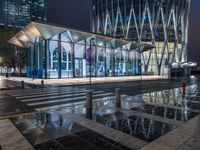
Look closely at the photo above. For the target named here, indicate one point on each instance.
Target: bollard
(89, 100)
(89, 104)
(22, 84)
(42, 84)
(117, 97)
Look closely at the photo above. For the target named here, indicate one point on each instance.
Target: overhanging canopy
(35, 32)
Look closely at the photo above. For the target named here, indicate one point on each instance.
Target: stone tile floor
(175, 108)
(49, 131)
(11, 138)
(69, 131)
(147, 116)
(185, 137)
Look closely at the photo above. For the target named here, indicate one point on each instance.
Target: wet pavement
(10, 106)
(11, 138)
(147, 129)
(53, 131)
(61, 120)
(140, 87)
(169, 104)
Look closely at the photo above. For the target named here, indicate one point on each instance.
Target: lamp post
(90, 60)
(141, 70)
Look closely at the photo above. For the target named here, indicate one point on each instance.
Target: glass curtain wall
(52, 59)
(66, 60)
(36, 61)
(59, 58)
(80, 60)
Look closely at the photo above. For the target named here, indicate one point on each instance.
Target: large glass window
(41, 60)
(36, 61)
(134, 62)
(105, 61)
(29, 66)
(66, 60)
(118, 63)
(109, 62)
(52, 65)
(80, 60)
(101, 65)
(93, 61)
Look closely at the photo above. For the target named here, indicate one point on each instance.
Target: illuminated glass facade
(57, 52)
(62, 59)
(162, 23)
(18, 13)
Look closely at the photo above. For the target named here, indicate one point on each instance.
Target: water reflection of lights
(166, 103)
(146, 129)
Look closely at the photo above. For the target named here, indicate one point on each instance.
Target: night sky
(75, 13)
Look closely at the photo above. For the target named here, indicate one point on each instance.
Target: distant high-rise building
(18, 13)
(162, 23)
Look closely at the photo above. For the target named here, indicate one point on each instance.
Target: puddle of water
(168, 104)
(170, 113)
(140, 127)
(143, 128)
(54, 131)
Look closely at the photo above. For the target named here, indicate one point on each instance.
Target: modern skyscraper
(18, 13)
(162, 23)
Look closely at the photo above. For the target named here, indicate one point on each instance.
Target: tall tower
(18, 13)
(162, 23)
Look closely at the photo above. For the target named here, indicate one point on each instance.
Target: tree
(11, 56)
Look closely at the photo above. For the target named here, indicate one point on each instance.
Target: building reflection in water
(137, 126)
(143, 128)
(168, 104)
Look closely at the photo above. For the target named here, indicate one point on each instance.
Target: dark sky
(194, 31)
(71, 13)
(75, 13)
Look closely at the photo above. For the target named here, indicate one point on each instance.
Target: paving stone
(192, 144)
(11, 138)
(156, 146)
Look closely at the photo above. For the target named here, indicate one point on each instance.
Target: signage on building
(89, 53)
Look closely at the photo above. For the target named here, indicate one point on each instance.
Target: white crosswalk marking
(42, 99)
(73, 104)
(65, 99)
(43, 92)
(57, 97)
(47, 94)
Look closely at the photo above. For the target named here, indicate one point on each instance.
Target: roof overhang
(35, 32)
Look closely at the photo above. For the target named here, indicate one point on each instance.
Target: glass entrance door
(78, 67)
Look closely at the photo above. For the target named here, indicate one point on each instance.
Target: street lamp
(90, 59)
(141, 70)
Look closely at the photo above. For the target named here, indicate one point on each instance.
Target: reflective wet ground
(147, 129)
(145, 117)
(167, 105)
(54, 131)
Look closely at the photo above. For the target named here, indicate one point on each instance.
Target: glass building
(161, 23)
(59, 52)
(18, 13)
